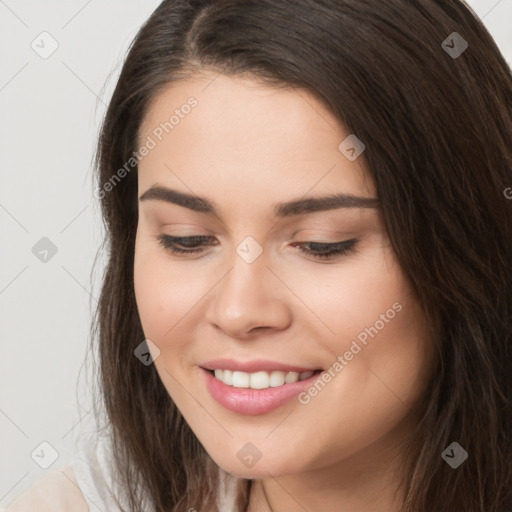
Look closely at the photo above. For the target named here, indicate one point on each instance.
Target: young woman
(308, 298)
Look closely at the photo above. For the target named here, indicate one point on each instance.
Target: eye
(318, 250)
(324, 250)
(191, 244)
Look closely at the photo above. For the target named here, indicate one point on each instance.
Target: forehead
(229, 132)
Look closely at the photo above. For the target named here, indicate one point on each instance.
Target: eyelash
(336, 249)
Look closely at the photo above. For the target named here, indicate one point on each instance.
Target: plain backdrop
(51, 108)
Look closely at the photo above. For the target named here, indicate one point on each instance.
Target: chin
(260, 469)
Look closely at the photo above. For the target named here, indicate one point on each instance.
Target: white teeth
(276, 379)
(260, 380)
(291, 377)
(241, 380)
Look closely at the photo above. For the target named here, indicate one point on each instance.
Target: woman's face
(260, 293)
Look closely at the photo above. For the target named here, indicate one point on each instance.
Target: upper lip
(254, 366)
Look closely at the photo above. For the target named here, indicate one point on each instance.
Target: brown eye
(324, 250)
(319, 250)
(183, 244)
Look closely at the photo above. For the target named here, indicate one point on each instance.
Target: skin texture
(246, 147)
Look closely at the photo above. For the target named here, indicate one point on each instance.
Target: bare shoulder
(57, 491)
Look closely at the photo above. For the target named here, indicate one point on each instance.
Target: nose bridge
(246, 279)
(246, 297)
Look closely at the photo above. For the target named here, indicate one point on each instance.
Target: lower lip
(254, 401)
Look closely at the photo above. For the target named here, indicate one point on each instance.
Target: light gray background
(50, 114)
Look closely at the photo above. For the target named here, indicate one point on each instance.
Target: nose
(250, 297)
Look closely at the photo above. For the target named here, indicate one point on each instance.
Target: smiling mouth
(260, 379)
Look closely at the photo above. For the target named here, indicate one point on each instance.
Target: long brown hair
(438, 134)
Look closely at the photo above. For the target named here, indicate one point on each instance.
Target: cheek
(345, 298)
(163, 294)
(368, 313)
(378, 328)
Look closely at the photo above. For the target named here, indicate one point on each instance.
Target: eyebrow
(281, 210)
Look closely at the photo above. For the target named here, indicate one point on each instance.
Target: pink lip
(253, 401)
(253, 366)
